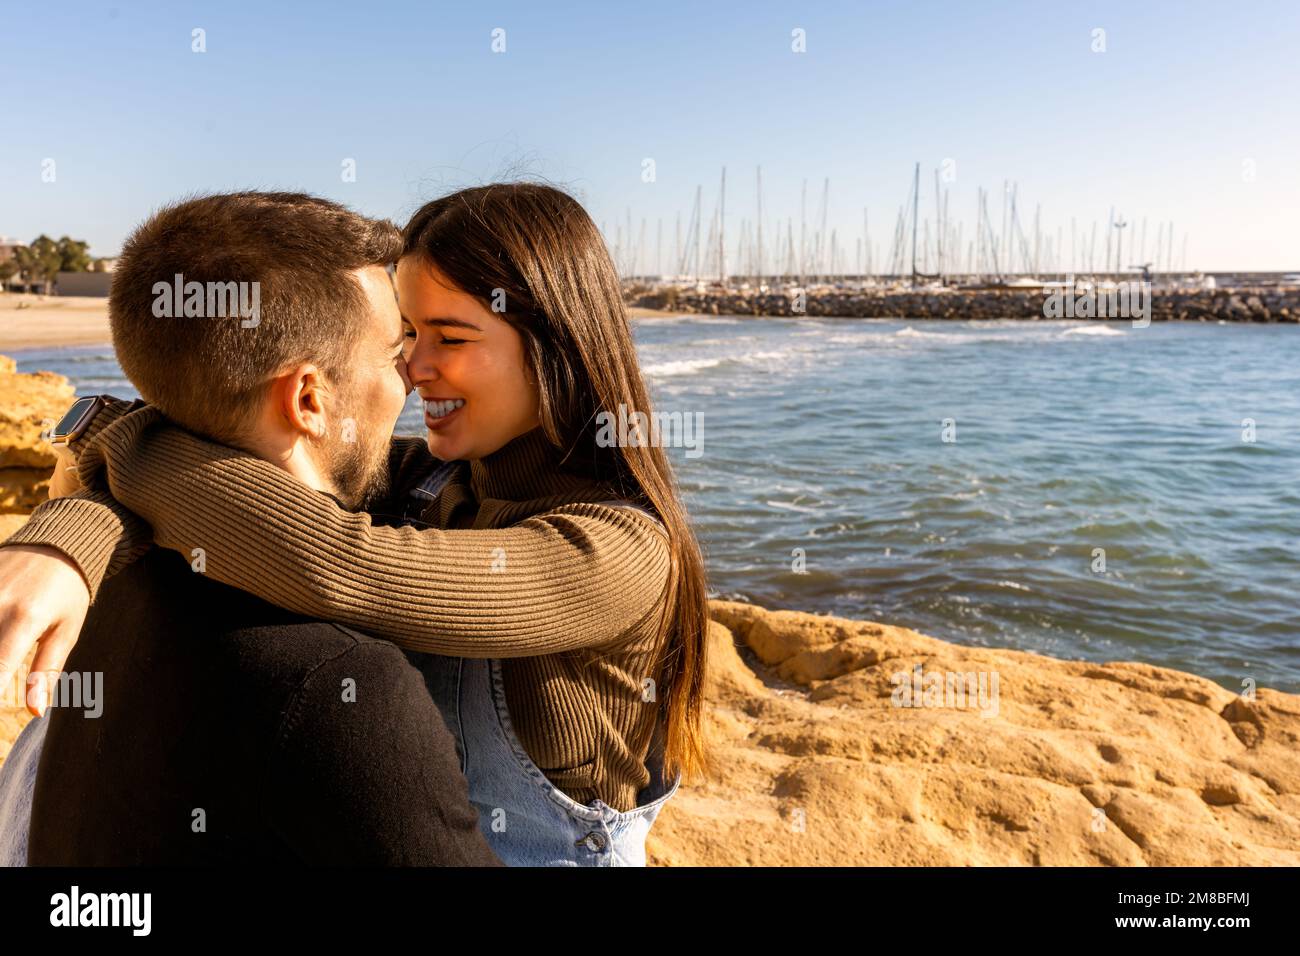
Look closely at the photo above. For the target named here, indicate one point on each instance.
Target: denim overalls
(17, 784)
(526, 819)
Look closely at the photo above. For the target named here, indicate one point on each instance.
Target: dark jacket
(234, 732)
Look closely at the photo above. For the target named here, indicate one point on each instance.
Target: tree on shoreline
(74, 255)
(44, 258)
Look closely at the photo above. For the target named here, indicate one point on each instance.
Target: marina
(932, 268)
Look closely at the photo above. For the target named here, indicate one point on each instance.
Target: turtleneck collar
(527, 467)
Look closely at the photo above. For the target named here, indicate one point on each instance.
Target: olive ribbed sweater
(516, 560)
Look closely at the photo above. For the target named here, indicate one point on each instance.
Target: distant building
(7, 247)
(83, 283)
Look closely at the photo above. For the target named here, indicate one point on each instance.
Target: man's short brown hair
(289, 253)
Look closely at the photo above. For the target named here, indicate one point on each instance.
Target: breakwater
(1244, 304)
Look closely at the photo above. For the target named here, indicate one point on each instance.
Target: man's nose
(406, 375)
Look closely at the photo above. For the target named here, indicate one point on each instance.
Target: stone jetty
(1260, 304)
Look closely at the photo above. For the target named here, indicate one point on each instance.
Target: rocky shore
(28, 404)
(1227, 304)
(824, 760)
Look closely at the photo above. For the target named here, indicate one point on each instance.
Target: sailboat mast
(722, 225)
(916, 202)
(938, 225)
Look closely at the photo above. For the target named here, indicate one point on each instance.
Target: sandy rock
(29, 404)
(10, 523)
(1059, 763)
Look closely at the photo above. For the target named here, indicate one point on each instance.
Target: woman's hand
(43, 603)
(64, 481)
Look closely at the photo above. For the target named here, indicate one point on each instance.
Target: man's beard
(360, 475)
(358, 469)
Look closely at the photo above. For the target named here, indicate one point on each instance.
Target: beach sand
(49, 321)
(640, 312)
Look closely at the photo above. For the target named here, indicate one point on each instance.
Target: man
(229, 730)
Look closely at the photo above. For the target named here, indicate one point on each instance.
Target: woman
(575, 716)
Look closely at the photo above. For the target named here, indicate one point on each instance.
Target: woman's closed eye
(411, 334)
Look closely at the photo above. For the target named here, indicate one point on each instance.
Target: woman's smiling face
(466, 362)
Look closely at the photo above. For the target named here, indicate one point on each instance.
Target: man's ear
(299, 399)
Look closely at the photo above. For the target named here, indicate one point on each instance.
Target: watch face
(74, 415)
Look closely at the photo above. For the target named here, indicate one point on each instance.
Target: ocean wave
(911, 333)
(691, 366)
(691, 319)
(859, 338)
(971, 338)
(1093, 330)
(681, 367)
(791, 506)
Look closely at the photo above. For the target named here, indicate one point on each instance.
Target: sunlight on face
(374, 396)
(467, 363)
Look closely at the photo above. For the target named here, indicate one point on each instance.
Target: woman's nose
(420, 368)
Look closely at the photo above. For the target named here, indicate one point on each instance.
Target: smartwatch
(77, 419)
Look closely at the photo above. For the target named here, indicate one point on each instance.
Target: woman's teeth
(442, 409)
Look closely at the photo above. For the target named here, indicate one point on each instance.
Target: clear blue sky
(1160, 125)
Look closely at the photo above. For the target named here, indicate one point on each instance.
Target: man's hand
(65, 480)
(43, 603)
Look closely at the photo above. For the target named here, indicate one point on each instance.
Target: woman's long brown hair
(537, 246)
